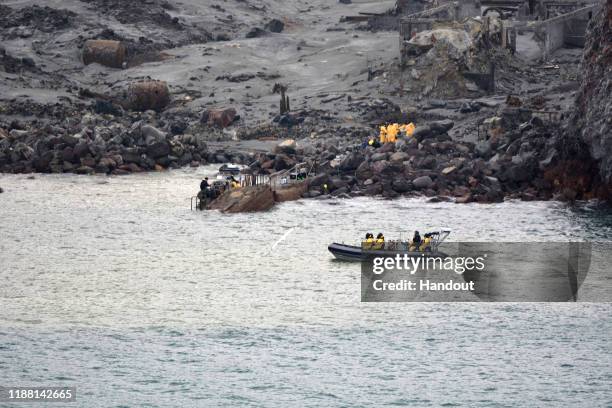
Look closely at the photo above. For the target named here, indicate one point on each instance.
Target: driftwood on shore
(105, 52)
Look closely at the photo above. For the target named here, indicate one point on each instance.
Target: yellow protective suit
(392, 131)
(408, 129)
(380, 243)
(425, 244)
(383, 134)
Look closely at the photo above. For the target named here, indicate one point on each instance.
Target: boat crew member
(369, 242)
(416, 241)
(204, 184)
(380, 241)
(204, 189)
(234, 183)
(425, 245)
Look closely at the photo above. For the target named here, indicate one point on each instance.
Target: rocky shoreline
(531, 145)
(511, 163)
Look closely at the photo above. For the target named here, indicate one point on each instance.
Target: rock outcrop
(584, 168)
(593, 116)
(291, 192)
(246, 199)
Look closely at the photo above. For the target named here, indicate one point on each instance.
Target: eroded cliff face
(585, 170)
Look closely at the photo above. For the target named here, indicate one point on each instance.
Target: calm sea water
(114, 286)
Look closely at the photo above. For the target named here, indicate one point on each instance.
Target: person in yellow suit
(426, 245)
(383, 134)
(380, 242)
(234, 183)
(392, 131)
(369, 242)
(408, 129)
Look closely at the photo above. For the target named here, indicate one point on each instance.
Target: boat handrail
(276, 176)
(197, 202)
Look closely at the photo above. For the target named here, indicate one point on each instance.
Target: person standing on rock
(392, 131)
(383, 134)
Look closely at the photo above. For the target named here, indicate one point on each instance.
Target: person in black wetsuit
(204, 184)
(204, 189)
(416, 241)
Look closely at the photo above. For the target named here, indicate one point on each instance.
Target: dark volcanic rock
(422, 132)
(352, 161)
(81, 149)
(255, 32)
(275, 26)
(221, 118)
(441, 126)
(247, 199)
(319, 180)
(363, 172)
(158, 149)
(401, 185)
(423, 182)
(591, 120)
(44, 18)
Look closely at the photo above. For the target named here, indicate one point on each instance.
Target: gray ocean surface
(112, 285)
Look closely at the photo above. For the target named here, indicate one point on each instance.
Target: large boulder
(158, 149)
(380, 167)
(483, 149)
(275, 26)
(401, 185)
(422, 132)
(363, 172)
(42, 162)
(521, 168)
(283, 162)
(246, 199)
(386, 148)
(351, 162)
(151, 134)
(70, 140)
(590, 122)
(221, 118)
(379, 156)
(422, 183)
(399, 157)
(319, 180)
(441, 126)
(373, 189)
(288, 146)
(131, 155)
(290, 192)
(81, 149)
